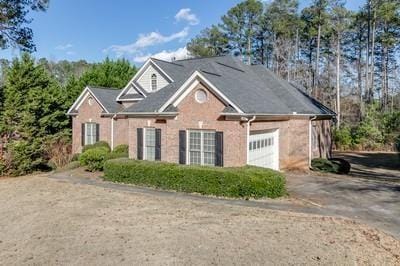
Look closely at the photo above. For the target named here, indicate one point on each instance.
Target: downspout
(310, 140)
(112, 131)
(248, 137)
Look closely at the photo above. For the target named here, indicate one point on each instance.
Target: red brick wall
(121, 131)
(293, 134)
(293, 141)
(193, 115)
(89, 113)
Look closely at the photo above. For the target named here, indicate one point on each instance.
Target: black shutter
(158, 144)
(139, 144)
(182, 146)
(219, 148)
(83, 134)
(97, 132)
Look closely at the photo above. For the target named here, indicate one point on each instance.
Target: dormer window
(153, 82)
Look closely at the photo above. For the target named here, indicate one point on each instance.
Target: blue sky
(92, 30)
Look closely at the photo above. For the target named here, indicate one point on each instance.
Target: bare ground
(46, 221)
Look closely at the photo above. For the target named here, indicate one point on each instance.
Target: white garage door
(264, 149)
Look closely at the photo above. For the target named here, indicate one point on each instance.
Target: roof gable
(104, 96)
(134, 81)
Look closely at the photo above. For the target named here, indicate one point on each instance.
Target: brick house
(208, 111)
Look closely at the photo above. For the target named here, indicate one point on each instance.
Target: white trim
(186, 92)
(140, 73)
(144, 143)
(201, 131)
(310, 140)
(194, 76)
(78, 102)
(248, 138)
(138, 89)
(276, 145)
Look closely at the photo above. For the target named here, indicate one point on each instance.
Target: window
(90, 133)
(150, 144)
(201, 96)
(153, 82)
(201, 147)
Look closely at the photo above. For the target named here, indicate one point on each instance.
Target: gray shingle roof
(107, 98)
(254, 89)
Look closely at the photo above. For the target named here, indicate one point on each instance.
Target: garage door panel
(263, 149)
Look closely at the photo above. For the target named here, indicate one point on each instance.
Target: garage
(264, 149)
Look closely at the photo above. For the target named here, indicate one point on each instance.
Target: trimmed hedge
(99, 144)
(123, 148)
(94, 159)
(241, 182)
(334, 165)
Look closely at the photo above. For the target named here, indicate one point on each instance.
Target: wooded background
(347, 59)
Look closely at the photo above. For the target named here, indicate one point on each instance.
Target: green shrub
(334, 165)
(123, 148)
(241, 182)
(99, 144)
(343, 138)
(397, 144)
(94, 159)
(115, 155)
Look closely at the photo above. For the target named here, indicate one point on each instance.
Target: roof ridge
(165, 61)
(102, 88)
(199, 58)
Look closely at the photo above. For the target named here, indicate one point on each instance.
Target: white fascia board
(78, 102)
(139, 74)
(187, 85)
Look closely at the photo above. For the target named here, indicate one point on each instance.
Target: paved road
(370, 193)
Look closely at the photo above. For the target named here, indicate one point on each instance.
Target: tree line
(330, 50)
(34, 128)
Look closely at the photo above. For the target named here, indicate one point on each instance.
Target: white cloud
(146, 40)
(180, 53)
(71, 53)
(63, 47)
(185, 14)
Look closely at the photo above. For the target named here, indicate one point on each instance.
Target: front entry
(263, 148)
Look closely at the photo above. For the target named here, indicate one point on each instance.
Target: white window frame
(145, 144)
(153, 78)
(201, 131)
(93, 128)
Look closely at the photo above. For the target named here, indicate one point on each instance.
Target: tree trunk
(316, 84)
(249, 49)
(338, 81)
(372, 69)
(297, 56)
(367, 90)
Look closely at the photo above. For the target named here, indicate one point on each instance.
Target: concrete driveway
(370, 193)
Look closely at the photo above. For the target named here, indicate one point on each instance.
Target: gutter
(156, 114)
(248, 136)
(310, 139)
(112, 131)
(261, 114)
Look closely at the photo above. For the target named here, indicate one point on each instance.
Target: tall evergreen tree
(239, 24)
(13, 21)
(210, 42)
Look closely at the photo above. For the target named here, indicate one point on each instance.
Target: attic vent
(235, 68)
(209, 72)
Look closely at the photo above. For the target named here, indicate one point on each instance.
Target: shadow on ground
(370, 193)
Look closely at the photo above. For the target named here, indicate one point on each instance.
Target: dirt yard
(47, 221)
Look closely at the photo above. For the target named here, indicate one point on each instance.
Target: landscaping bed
(240, 182)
